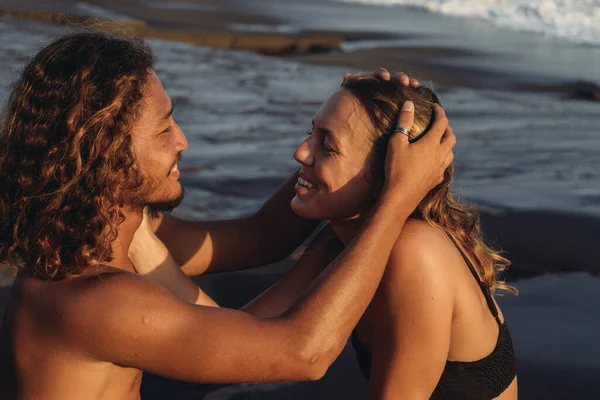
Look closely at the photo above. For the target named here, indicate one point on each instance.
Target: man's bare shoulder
(112, 281)
(92, 285)
(114, 291)
(79, 306)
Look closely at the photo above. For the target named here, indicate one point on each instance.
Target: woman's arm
(267, 236)
(152, 259)
(279, 298)
(410, 318)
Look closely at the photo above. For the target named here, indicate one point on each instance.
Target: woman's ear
(374, 174)
(376, 182)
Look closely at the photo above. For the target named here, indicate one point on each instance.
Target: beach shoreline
(228, 25)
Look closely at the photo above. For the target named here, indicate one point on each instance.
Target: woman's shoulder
(417, 274)
(420, 237)
(422, 249)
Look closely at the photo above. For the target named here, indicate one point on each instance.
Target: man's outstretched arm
(128, 321)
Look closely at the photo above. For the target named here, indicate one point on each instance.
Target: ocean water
(244, 114)
(576, 20)
(94, 11)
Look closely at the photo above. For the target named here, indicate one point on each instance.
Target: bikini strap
(484, 286)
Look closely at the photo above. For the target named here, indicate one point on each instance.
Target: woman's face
(333, 178)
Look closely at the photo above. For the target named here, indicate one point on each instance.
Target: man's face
(157, 142)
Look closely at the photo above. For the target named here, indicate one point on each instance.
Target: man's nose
(181, 140)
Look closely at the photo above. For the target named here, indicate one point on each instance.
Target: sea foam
(576, 20)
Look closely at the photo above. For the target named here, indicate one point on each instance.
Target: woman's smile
(304, 185)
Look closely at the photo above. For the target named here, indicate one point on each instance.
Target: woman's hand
(151, 258)
(146, 251)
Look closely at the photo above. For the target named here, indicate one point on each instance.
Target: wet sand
(545, 242)
(198, 23)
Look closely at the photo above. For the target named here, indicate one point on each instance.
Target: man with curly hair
(88, 142)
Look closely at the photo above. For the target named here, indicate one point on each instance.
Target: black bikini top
(486, 378)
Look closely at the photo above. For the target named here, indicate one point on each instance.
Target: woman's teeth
(305, 183)
(174, 168)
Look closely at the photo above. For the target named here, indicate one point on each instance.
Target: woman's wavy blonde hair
(382, 100)
(66, 161)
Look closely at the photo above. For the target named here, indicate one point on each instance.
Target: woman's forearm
(277, 299)
(151, 259)
(170, 276)
(269, 235)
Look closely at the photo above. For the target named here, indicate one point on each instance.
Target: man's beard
(156, 207)
(141, 198)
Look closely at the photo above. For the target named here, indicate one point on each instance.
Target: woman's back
(470, 349)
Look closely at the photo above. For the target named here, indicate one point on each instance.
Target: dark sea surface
(244, 114)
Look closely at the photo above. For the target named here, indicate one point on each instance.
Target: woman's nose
(303, 154)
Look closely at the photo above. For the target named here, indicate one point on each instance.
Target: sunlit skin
(91, 336)
(428, 306)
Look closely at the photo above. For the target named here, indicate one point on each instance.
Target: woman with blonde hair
(433, 330)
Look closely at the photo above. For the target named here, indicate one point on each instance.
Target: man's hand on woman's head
(413, 169)
(384, 74)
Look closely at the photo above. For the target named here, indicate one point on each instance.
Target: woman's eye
(309, 132)
(327, 148)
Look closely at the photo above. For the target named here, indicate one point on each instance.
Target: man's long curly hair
(66, 162)
(382, 100)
